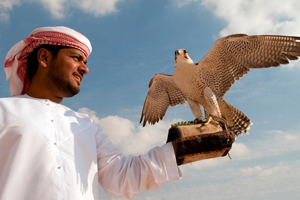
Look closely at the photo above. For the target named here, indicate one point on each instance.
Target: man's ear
(44, 57)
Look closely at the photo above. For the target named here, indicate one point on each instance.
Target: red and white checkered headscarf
(15, 63)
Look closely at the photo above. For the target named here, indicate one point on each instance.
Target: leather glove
(205, 140)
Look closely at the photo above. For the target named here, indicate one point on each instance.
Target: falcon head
(181, 55)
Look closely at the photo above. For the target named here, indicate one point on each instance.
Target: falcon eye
(184, 51)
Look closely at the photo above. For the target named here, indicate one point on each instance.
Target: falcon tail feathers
(237, 121)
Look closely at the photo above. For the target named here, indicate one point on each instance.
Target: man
(48, 151)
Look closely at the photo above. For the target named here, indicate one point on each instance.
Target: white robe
(50, 152)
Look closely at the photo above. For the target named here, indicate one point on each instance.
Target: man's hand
(201, 141)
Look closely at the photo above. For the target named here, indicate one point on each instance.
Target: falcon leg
(195, 108)
(212, 101)
(211, 119)
(207, 120)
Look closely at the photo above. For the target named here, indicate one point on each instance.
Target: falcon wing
(232, 57)
(163, 92)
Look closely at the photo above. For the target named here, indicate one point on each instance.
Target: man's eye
(76, 58)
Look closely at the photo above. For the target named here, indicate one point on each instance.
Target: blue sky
(133, 40)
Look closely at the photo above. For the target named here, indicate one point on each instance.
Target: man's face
(66, 71)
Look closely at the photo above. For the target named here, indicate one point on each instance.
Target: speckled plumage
(206, 82)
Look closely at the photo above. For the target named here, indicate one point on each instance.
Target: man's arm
(122, 175)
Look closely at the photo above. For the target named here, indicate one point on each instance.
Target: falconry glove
(205, 140)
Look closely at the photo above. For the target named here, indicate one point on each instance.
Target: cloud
(281, 142)
(274, 143)
(251, 170)
(263, 171)
(131, 138)
(254, 182)
(205, 164)
(257, 17)
(5, 7)
(55, 7)
(59, 8)
(181, 3)
(98, 7)
(253, 17)
(239, 150)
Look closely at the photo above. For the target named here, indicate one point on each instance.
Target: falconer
(47, 150)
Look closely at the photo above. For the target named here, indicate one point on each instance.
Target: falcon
(206, 82)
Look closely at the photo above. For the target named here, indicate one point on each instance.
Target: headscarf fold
(15, 63)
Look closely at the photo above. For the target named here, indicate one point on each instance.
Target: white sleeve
(122, 175)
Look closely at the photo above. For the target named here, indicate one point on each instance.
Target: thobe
(50, 152)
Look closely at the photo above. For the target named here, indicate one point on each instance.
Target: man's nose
(84, 69)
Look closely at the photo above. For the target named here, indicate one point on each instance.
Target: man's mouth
(78, 77)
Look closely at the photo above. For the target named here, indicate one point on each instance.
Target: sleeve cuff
(172, 170)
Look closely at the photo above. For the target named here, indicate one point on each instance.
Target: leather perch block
(200, 141)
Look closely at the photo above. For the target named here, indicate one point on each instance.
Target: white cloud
(262, 171)
(257, 17)
(55, 7)
(131, 138)
(272, 170)
(5, 7)
(274, 143)
(253, 17)
(251, 170)
(181, 3)
(253, 182)
(239, 150)
(205, 164)
(98, 7)
(59, 8)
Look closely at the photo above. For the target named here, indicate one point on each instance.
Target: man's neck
(43, 94)
(39, 88)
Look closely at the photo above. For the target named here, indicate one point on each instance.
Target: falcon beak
(176, 53)
(183, 53)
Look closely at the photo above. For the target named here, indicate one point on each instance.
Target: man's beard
(58, 80)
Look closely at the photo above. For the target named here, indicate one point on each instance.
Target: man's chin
(71, 92)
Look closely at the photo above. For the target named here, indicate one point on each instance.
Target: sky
(135, 39)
